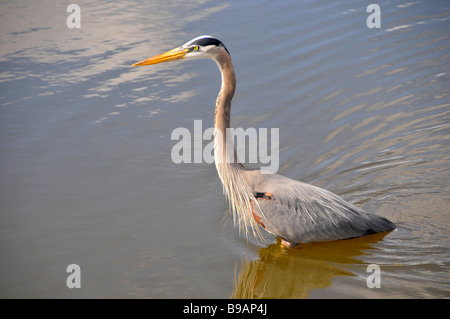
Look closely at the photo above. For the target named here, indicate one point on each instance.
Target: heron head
(204, 46)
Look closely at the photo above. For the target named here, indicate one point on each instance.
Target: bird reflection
(285, 273)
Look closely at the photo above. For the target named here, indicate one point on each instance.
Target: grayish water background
(86, 175)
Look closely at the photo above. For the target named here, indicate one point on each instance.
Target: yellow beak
(175, 54)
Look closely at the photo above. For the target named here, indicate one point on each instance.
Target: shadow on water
(286, 273)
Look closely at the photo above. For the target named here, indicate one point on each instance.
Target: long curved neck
(224, 150)
(233, 175)
(224, 154)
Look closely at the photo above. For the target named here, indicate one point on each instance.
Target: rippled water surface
(87, 178)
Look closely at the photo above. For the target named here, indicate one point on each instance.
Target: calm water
(86, 175)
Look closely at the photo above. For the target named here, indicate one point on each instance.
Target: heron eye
(195, 47)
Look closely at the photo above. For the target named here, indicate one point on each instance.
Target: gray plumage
(299, 212)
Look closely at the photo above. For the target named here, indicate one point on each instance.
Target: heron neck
(223, 102)
(224, 150)
(233, 174)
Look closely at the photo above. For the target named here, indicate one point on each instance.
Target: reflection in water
(284, 273)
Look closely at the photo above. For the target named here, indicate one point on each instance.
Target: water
(86, 175)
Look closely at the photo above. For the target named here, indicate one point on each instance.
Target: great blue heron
(294, 211)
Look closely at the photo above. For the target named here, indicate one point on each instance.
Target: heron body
(294, 211)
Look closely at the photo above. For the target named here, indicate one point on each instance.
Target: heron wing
(300, 212)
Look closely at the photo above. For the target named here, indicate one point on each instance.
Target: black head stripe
(209, 41)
